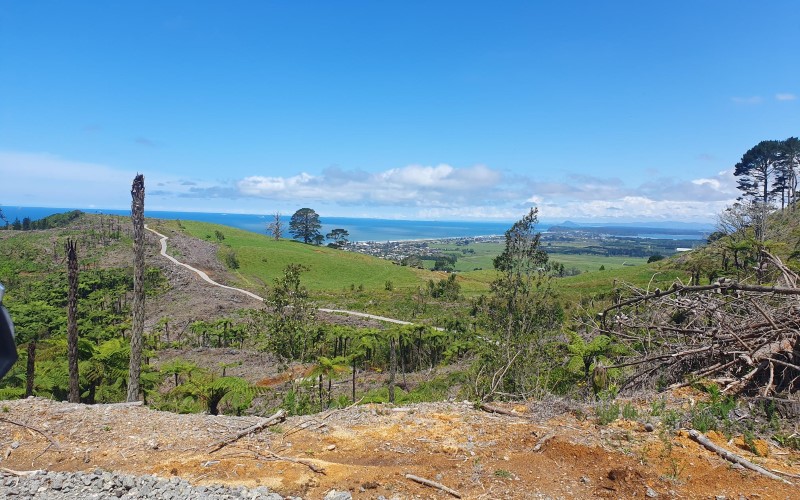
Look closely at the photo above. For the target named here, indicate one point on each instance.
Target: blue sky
(594, 111)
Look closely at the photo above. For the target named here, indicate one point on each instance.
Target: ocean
(360, 229)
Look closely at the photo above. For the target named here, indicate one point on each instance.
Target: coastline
(391, 231)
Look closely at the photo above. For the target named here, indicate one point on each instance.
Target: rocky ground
(366, 452)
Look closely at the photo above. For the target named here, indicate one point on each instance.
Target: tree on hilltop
(766, 172)
(305, 225)
(787, 166)
(757, 169)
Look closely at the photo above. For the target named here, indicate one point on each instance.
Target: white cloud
(585, 197)
(535, 200)
(714, 183)
(441, 185)
(785, 97)
(414, 191)
(441, 177)
(266, 186)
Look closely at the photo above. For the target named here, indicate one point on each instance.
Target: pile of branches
(742, 336)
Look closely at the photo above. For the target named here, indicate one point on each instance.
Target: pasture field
(479, 255)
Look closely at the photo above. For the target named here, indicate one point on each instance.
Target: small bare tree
(275, 228)
(72, 320)
(137, 325)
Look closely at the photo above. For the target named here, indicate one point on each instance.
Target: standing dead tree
(72, 320)
(275, 228)
(744, 337)
(137, 325)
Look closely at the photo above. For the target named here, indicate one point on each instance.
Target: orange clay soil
(369, 449)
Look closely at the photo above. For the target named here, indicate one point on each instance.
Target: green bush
(607, 411)
(629, 412)
(231, 259)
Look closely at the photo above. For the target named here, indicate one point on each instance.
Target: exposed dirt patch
(369, 449)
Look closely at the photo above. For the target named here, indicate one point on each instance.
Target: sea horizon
(377, 229)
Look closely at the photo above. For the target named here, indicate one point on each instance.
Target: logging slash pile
(744, 337)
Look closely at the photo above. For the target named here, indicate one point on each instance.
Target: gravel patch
(100, 484)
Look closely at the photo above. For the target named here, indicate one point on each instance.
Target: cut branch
(745, 335)
(279, 416)
(433, 484)
(308, 463)
(52, 442)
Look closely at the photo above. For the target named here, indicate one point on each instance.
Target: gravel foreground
(102, 484)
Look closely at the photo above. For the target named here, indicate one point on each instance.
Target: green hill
(261, 259)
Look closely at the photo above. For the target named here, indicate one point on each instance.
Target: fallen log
(494, 409)
(732, 457)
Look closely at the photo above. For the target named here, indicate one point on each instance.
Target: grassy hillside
(597, 285)
(347, 279)
(262, 259)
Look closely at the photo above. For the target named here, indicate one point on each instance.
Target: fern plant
(214, 392)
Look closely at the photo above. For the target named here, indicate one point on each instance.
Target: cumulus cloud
(586, 197)
(445, 191)
(414, 191)
(439, 185)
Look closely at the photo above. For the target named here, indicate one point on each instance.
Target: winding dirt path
(205, 277)
(198, 271)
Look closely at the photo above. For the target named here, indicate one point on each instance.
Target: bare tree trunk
(72, 321)
(30, 371)
(137, 326)
(320, 391)
(392, 367)
(354, 378)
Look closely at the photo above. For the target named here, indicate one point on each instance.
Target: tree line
(49, 222)
(305, 225)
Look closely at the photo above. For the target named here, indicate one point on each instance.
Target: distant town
(560, 240)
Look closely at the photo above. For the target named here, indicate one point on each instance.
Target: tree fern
(215, 392)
